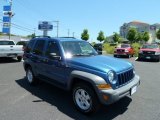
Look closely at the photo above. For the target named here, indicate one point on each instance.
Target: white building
(141, 27)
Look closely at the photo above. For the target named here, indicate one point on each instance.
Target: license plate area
(148, 57)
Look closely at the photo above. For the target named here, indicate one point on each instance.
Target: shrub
(108, 48)
(136, 47)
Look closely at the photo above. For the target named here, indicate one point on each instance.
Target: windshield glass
(125, 46)
(78, 48)
(151, 46)
(6, 43)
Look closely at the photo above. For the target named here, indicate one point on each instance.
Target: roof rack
(42, 37)
(68, 37)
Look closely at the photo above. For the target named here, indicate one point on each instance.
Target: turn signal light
(104, 86)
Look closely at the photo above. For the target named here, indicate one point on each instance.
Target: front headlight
(126, 50)
(157, 53)
(111, 77)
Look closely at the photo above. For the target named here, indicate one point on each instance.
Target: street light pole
(57, 26)
(10, 15)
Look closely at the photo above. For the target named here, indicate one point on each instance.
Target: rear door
(37, 56)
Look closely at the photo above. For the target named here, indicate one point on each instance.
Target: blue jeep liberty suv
(74, 65)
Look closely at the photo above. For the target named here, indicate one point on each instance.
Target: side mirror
(54, 56)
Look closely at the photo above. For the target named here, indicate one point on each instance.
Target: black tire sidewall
(92, 95)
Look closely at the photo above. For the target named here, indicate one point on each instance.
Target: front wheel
(129, 56)
(84, 98)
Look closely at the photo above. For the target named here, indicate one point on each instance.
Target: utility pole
(73, 34)
(10, 15)
(68, 32)
(57, 26)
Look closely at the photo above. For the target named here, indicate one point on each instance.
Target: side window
(53, 48)
(38, 48)
(29, 46)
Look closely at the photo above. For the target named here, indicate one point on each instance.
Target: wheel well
(27, 66)
(78, 80)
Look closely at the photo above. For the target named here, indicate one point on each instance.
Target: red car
(149, 51)
(124, 50)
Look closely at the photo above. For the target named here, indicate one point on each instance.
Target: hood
(100, 63)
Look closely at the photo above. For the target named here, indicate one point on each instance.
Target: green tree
(158, 34)
(146, 36)
(106, 40)
(131, 35)
(31, 36)
(116, 37)
(101, 36)
(139, 37)
(85, 35)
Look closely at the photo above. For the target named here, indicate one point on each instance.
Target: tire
(85, 99)
(19, 59)
(114, 55)
(30, 76)
(129, 56)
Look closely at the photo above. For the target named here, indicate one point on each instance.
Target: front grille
(125, 77)
(120, 50)
(149, 52)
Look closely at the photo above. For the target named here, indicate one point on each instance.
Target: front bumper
(11, 55)
(115, 95)
(148, 57)
(122, 53)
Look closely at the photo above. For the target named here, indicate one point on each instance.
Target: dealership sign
(6, 19)
(45, 25)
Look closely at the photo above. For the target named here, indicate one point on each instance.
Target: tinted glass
(125, 46)
(39, 46)
(7, 43)
(52, 47)
(151, 46)
(29, 46)
(78, 48)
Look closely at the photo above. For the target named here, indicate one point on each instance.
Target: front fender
(88, 77)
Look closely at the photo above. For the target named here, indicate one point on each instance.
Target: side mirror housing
(54, 56)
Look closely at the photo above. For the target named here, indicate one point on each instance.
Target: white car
(8, 49)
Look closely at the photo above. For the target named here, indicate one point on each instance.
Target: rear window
(7, 43)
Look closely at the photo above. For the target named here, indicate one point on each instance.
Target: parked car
(8, 49)
(124, 50)
(75, 66)
(24, 43)
(98, 47)
(149, 51)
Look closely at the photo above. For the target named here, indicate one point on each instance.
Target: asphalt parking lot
(20, 101)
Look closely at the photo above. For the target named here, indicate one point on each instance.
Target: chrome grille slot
(125, 77)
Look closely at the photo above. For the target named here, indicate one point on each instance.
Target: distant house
(141, 27)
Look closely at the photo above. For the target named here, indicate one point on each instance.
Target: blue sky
(76, 15)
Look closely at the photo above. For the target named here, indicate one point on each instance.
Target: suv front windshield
(125, 46)
(151, 46)
(78, 48)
